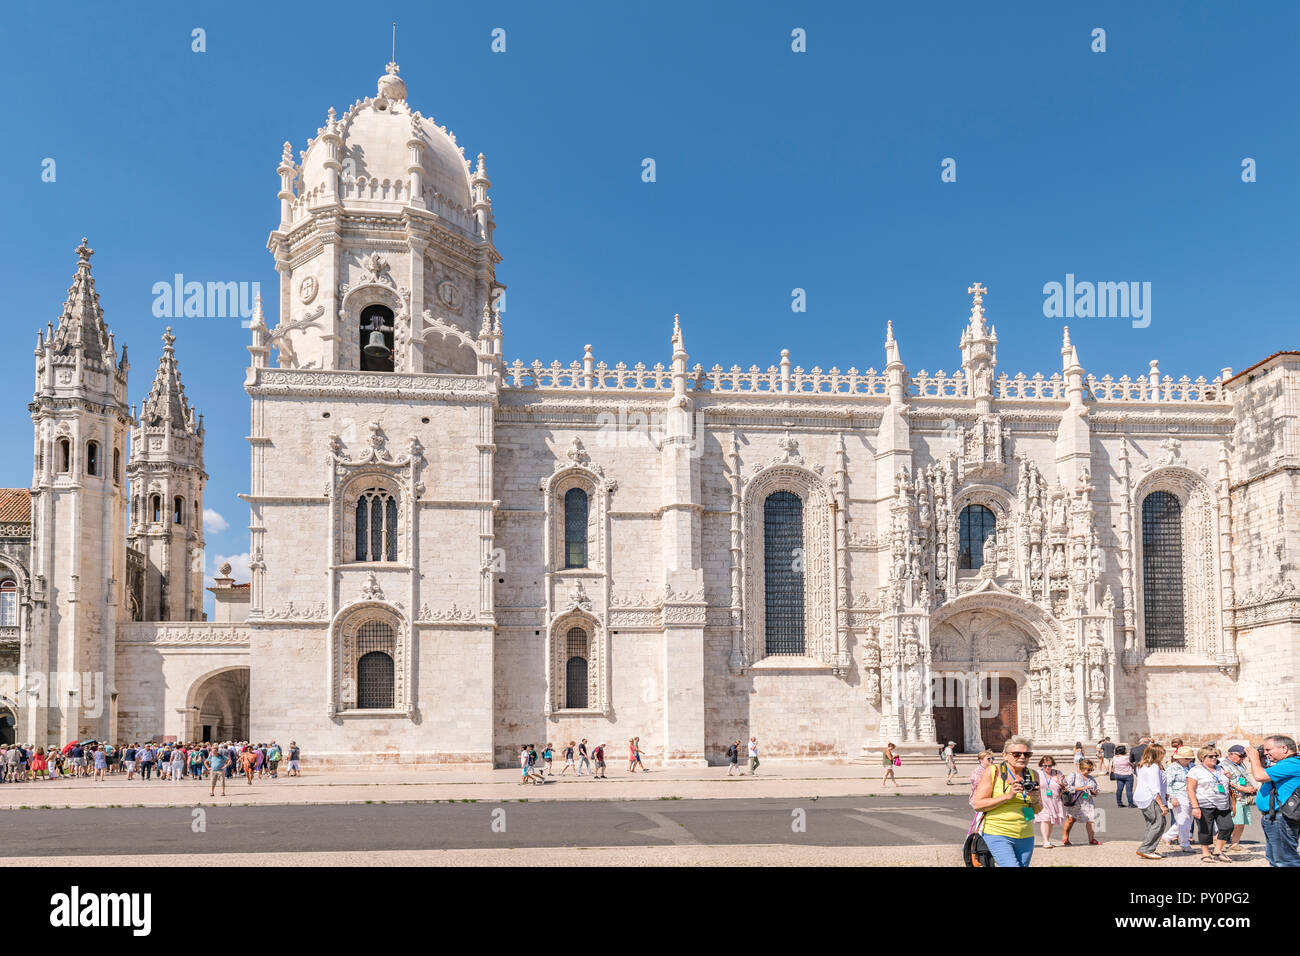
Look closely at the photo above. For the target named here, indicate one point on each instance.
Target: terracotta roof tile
(15, 505)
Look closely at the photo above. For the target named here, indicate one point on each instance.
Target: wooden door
(997, 727)
(948, 723)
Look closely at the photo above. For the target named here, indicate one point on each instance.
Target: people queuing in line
(165, 760)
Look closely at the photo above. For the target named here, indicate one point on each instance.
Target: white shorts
(129, 764)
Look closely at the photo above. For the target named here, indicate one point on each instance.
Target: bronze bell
(376, 347)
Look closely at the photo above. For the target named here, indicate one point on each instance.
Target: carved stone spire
(166, 401)
(979, 351)
(82, 326)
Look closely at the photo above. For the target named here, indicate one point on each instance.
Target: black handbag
(1290, 810)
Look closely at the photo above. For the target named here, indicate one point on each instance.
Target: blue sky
(775, 170)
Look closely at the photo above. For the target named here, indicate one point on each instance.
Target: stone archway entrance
(981, 662)
(976, 710)
(218, 706)
(8, 725)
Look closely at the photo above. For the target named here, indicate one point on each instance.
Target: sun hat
(1184, 753)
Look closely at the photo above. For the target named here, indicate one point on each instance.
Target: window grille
(575, 528)
(575, 670)
(1162, 570)
(376, 538)
(977, 523)
(783, 570)
(375, 666)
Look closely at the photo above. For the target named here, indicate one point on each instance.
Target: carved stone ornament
(308, 288)
(371, 591)
(376, 268)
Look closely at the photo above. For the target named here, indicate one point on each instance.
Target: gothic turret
(167, 479)
(80, 422)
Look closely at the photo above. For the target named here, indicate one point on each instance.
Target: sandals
(1223, 858)
(1094, 843)
(1207, 859)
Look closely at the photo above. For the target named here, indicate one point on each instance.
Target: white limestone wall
(160, 668)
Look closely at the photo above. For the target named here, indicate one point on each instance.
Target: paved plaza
(685, 817)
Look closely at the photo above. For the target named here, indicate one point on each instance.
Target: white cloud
(238, 567)
(213, 522)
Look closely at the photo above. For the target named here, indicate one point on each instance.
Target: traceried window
(977, 523)
(575, 669)
(376, 331)
(375, 666)
(92, 458)
(1162, 570)
(376, 526)
(575, 528)
(65, 455)
(783, 573)
(8, 603)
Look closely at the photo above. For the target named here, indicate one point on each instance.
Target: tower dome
(383, 153)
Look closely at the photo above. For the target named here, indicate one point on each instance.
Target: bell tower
(80, 422)
(167, 478)
(385, 243)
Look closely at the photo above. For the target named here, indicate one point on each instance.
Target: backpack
(731, 751)
(974, 851)
(1290, 810)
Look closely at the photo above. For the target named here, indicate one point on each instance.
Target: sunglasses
(1020, 753)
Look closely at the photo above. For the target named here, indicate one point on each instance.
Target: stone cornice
(320, 383)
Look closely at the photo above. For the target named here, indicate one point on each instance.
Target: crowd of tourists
(91, 759)
(1175, 787)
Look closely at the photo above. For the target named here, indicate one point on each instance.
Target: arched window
(575, 670)
(977, 523)
(92, 458)
(783, 578)
(376, 350)
(376, 526)
(117, 466)
(65, 455)
(375, 666)
(1162, 570)
(178, 510)
(575, 528)
(155, 507)
(8, 603)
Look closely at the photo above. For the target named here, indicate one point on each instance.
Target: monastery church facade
(452, 553)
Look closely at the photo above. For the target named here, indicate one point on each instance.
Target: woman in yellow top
(1008, 796)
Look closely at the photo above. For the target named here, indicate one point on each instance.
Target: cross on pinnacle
(168, 339)
(84, 252)
(978, 291)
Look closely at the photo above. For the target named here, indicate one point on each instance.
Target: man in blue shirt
(217, 766)
(1282, 777)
